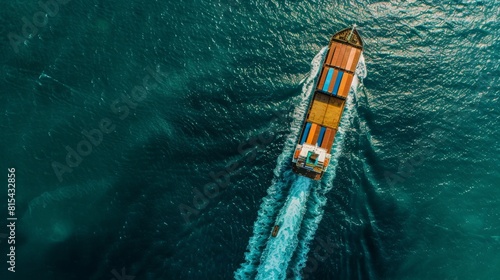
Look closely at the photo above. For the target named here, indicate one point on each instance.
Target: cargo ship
(313, 151)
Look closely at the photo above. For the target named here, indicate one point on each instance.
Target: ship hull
(314, 148)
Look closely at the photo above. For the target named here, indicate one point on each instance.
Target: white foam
(274, 259)
(270, 205)
(318, 194)
(279, 249)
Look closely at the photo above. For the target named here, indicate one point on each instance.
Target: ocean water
(118, 118)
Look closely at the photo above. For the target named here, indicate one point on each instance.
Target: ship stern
(310, 161)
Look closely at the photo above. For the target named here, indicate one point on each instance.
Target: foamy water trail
(318, 194)
(281, 180)
(279, 249)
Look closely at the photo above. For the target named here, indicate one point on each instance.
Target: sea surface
(152, 139)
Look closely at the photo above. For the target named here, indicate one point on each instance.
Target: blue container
(306, 132)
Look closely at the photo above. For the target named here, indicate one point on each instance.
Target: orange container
(334, 78)
(332, 50)
(297, 153)
(334, 57)
(337, 57)
(345, 91)
(310, 137)
(351, 58)
(324, 143)
(343, 84)
(354, 63)
(331, 139)
(337, 49)
(316, 135)
(345, 58)
(324, 72)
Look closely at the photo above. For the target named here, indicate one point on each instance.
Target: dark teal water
(415, 193)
